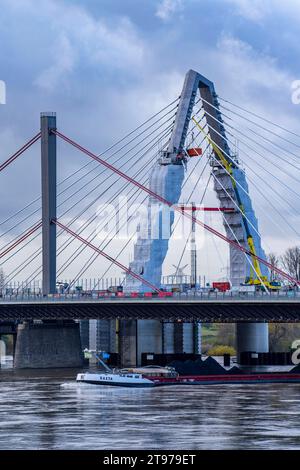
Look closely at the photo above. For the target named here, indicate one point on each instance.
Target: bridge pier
(7, 329)
(149, 338)
(168, 338)
(181, 337)
(188, 338)
(252, 337)
(152, 336)
(102, 336)
(48, 345)
(128, 342)
(137, 337)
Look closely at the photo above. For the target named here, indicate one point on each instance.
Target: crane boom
(228, 166)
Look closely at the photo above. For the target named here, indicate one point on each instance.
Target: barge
(158, 376)
(199, 372)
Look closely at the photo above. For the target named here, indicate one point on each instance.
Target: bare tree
(226, 334)
(291, 261)
(277, 332)
(282, 335)
(274, 260)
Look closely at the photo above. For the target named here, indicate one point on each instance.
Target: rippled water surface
(48, 410)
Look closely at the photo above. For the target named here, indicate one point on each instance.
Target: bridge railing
(177, 296)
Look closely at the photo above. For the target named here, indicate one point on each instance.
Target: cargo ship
(155, 376)
(134, 377)
(139, 378)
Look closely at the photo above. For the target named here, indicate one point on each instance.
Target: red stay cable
(176, 208)
(102, 253)
(21, 239)
(20, 151)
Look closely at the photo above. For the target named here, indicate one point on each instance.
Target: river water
(48, 410)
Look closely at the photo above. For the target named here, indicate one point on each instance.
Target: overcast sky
(106, 65)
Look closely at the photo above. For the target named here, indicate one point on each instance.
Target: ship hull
(222, 379)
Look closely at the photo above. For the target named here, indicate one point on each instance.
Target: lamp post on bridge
(48, 173)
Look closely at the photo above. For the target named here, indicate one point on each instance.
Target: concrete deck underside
(203, 311)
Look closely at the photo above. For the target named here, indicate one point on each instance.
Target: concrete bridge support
(168, 338)
(48, 345)
(152, 336)
(181, 337)
(128, 342)
(137, 337)
(102, 336)
(188, 338)
(149, 337)
(252, 337)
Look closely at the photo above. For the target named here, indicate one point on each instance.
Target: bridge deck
(208, 310)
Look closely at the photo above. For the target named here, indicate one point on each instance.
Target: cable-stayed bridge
(76, 224)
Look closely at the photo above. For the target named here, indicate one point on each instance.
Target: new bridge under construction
(191, 144)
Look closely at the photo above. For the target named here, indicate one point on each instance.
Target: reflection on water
(48, 410)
